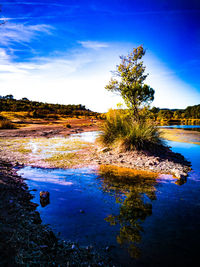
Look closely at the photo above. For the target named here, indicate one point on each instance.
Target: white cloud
(93, 45)
(80, 78)
(35, 3)
(20, 33)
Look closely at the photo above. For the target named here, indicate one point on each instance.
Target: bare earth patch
(42, 128)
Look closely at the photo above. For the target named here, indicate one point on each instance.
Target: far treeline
(38, 109)
(163, 115)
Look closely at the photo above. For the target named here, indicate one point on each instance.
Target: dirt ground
(48, 128)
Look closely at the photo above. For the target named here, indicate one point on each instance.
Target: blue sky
(63, 51)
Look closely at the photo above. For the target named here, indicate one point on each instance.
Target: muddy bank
(24, 240)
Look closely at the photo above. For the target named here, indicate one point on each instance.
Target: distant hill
(39, 109)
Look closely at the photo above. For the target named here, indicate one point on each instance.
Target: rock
(181, 181)
(37, 219)
(44, 194)
(44, 198)
(179, 174)
(108, 248)
(43, 246)
(89, 248)
(105, 149)
(82, 211)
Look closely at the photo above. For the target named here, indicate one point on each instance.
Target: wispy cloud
(93, 44)
(67, 78)
(20, 33)
(35, 3)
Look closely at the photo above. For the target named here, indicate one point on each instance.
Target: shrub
(6, 124)
(114, 127)
(144, 135)
(119, 128)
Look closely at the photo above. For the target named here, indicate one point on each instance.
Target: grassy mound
(121, 130)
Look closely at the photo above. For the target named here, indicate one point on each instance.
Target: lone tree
(130, 85)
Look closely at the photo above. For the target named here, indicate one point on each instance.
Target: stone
(44, 198)
(73, 246)
(36, 218)
(105, 149)
(82, 211)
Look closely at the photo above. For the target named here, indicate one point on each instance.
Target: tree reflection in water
(134, 190)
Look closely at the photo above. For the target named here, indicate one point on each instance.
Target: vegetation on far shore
(37, 109)
(189, 115)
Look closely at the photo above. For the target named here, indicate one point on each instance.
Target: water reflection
(184, 127)
(134, 190)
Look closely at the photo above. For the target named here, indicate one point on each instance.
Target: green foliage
(191, 112)
(130, 85)
(39, 109)
(165, 114)
(119, 128)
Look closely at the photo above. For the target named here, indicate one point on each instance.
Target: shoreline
(164, 161)
(25, 240)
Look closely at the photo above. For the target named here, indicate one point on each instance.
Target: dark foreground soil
(24, 240)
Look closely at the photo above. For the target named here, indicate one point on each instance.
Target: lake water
(145, 222)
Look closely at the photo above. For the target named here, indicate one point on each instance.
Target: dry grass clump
(120, 129)
(6, 124)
